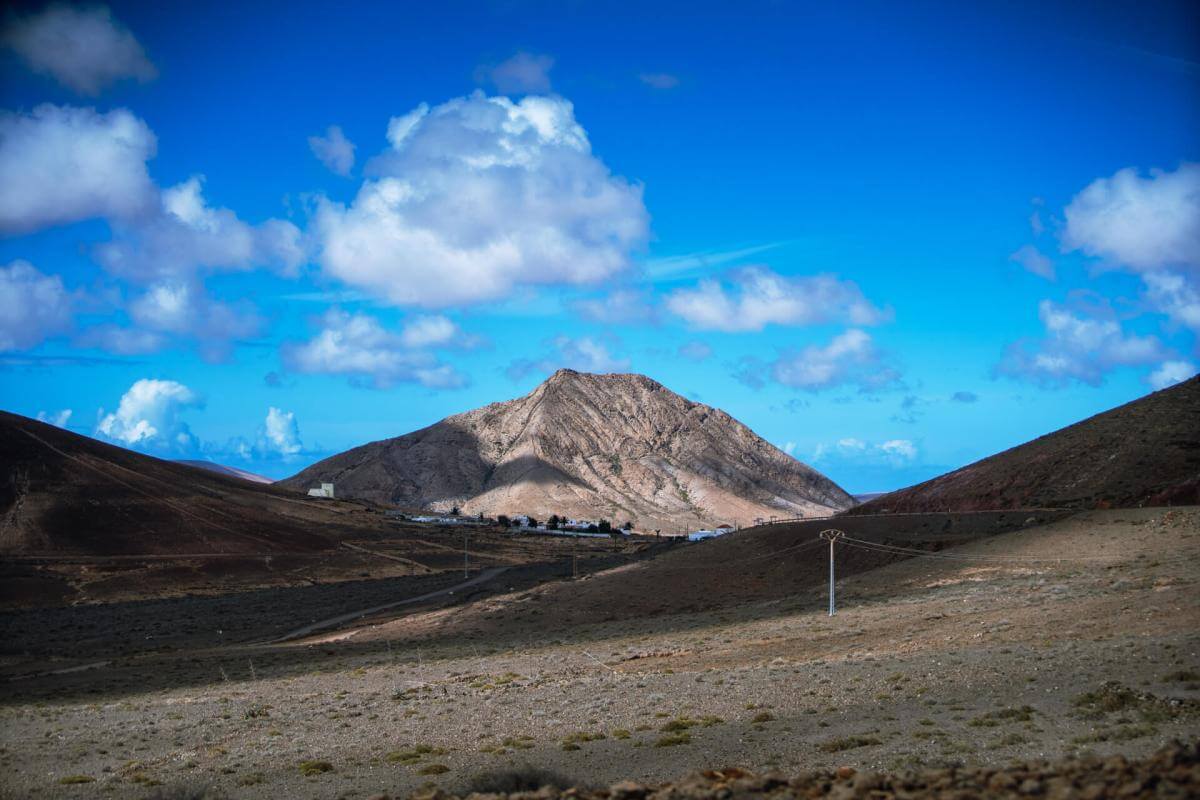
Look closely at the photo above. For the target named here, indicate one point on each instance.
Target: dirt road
(341, 619)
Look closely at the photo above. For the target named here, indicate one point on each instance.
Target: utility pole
(466, 561)
(832, 535)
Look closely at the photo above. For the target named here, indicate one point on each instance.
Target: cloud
(690, 264)
(585, 354)
(84, 49)
(695, 350)
(1076, 347)
(1033, 261)
(358, 346)
(851, 451)
(1035, 223)
(58, 419)
(477, 197)
(1174, 295)
(33, 306)
(436, 330)
(757, 297)
(148, 418)
(334, 150)
(185, 234)
(964, 397)
(850, 358)
(622, 306)
(659, 80)
(60, 164)
(185, 309)
(1170, 373)
(120, 340)
(1143, 223)
(523, 73)
(279, 435)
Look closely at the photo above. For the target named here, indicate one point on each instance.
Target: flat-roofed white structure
(326, 490)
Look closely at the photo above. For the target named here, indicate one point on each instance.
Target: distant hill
(66, 494)
(1143, 453)
(224, 470)
(622, 447)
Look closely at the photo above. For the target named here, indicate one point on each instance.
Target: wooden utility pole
(832, 535)
(466, 560)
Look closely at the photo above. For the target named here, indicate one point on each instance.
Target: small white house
(326, 490)
(699, 536)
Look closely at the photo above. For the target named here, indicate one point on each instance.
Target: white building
(326, 490)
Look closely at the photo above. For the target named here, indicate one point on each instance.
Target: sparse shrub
(522, 779)
(621, 733)
(1181, 676)
(433, 769)
(69, 780)
(1005, 715)
(848, 743)
(314, 767)
(761, 717)
(581, 736)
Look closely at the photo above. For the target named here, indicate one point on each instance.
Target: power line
(983, 557)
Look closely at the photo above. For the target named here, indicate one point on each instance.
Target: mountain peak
(619, 446)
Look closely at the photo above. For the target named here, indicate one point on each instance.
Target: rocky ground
(1078, 637)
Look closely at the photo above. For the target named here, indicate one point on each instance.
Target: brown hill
(583, 445)
(66, 494)
(1146, 452)
(213, 466)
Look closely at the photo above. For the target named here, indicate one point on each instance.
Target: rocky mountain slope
(1146, 452)
(581, 445)
(213, 466)
(66, 494)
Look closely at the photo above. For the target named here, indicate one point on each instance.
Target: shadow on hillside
(769, 572)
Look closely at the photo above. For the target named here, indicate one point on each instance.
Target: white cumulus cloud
(85, 49)
(183, 308)
(1143, 223)
(280, 434)
(851, 451)
(850, 358)
(33, 306)
(60, 164)
(334, 150)
(1076, 347)
(1170, 373)
(148, 417)
(58, 419)
(756, 297)
(1173, 294)
(185, 234)
(479, 196)
(359, 347)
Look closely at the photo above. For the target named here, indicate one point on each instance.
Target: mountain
(66, 494)
(586, 446)
(224, 470)
(1143, 453)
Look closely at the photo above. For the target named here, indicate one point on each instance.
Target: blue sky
(890, 238)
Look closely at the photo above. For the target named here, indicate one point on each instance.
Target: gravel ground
(930, 663)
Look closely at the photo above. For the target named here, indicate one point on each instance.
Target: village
(523, 523)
